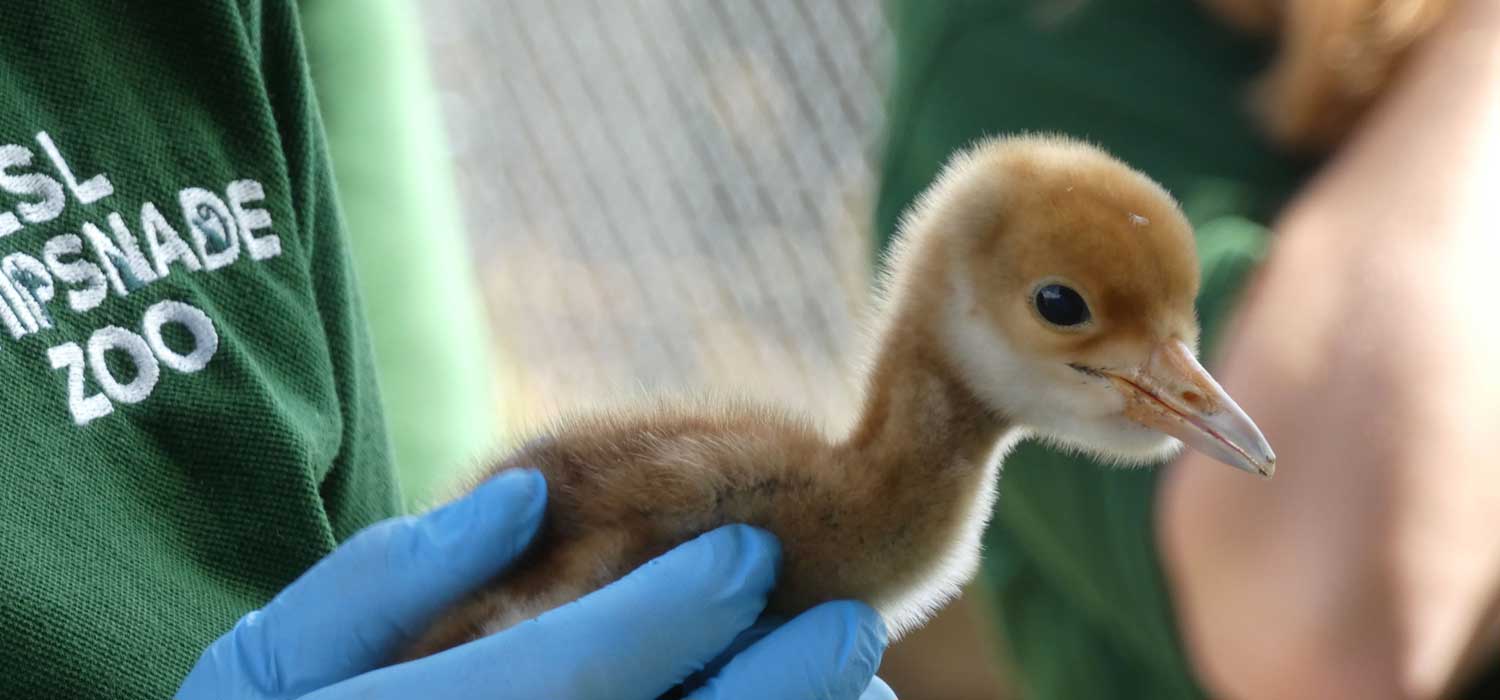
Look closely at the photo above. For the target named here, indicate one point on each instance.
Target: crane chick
(1039, 288)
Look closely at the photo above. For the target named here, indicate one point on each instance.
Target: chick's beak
(1174, 394)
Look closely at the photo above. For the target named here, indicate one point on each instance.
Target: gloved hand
(325, 635)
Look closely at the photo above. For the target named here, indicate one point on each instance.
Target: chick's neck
(921, 428)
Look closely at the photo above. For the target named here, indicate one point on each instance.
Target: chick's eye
(1061, 306)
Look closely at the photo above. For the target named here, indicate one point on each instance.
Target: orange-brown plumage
(964, 363)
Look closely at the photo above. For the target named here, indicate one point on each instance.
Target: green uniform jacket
(190, 408)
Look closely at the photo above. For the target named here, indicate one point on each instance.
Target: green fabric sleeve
(190, 408)
(1070, 554)
(394, 182)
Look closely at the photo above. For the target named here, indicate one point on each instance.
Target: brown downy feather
(867, 518)
(890, 514)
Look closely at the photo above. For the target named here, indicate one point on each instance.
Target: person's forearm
(1364, 349)
(952, 656)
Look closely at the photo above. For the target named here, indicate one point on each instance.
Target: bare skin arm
(1369, 352)
(953, 657)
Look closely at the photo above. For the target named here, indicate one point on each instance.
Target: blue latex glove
(325, 635)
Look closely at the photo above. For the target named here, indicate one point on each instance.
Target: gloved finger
(762, 627)
(831, 651)
(354, 608)
(632, 640)
(767, 624)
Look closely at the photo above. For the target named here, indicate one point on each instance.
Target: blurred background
(666, 195)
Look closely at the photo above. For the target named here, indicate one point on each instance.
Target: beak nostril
(1193, 408)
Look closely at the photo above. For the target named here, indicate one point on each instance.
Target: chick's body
(625, 487)
(1040, 287)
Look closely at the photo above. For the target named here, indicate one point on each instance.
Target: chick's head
(1068, 303)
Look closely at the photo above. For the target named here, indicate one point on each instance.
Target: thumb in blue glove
(326, 635)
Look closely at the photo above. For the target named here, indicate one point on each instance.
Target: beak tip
(1265, 467)
(1216, 427)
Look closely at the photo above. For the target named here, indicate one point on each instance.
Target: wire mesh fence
(667, 194)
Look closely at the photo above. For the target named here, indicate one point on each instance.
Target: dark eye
(1061, 305)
